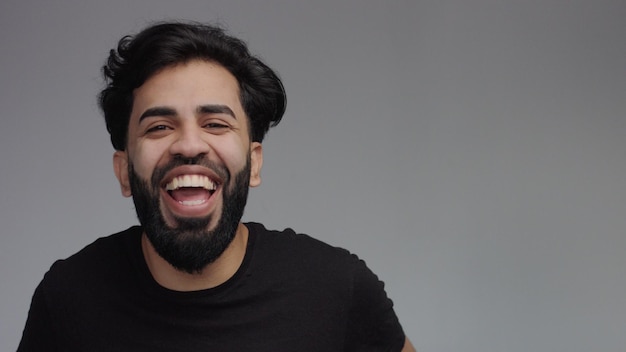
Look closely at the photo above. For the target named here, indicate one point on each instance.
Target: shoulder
(288, 244)
(301, 255)
(338, 278)
(291, 240)
(106, 256)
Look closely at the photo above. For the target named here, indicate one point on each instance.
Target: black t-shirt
(291, 293)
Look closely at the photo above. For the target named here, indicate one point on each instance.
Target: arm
(373, 324)
(408, 347)
(37, 335)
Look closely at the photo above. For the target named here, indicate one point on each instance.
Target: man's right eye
(157, 128)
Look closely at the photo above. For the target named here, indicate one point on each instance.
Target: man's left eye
(214, 125)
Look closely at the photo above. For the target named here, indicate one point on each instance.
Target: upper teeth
(190, 181)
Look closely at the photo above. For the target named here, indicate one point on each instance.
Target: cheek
(235, 161)
(233, 155)
(144, 159)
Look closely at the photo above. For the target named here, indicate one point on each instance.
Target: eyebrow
(216, 109)
(202, 109)
(157, 111)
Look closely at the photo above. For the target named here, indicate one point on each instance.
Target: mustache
(178, 160)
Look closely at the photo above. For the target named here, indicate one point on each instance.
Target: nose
(190, 142)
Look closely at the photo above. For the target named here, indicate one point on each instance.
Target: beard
(190, 246)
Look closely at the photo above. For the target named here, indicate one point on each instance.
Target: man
(187, 108)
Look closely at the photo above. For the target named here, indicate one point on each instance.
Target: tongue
(190, 194)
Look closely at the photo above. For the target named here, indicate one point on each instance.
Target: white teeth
(190, 181)
(192, 202)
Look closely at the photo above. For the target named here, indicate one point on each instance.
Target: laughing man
(187, 107)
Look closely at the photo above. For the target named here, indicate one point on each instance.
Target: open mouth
(191, 190)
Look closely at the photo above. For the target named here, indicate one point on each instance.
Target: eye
(158, 128)
(216, 126)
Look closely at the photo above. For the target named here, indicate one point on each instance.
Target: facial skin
(189, 162)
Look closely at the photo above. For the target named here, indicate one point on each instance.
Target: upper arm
(38, 333)
(408, 347)
(373, 324)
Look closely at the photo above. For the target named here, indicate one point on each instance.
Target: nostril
(184, 160)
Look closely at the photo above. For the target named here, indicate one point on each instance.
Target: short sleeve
(373, 324)
(38, 333)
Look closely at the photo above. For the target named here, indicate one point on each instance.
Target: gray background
(472, 152)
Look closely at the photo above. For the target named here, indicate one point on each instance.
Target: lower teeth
(192, 202)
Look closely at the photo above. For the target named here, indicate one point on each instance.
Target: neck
(213, 275)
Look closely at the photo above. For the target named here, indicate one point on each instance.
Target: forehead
(186, 86)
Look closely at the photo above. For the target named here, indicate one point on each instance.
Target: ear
(256, 162)
(120, 166)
